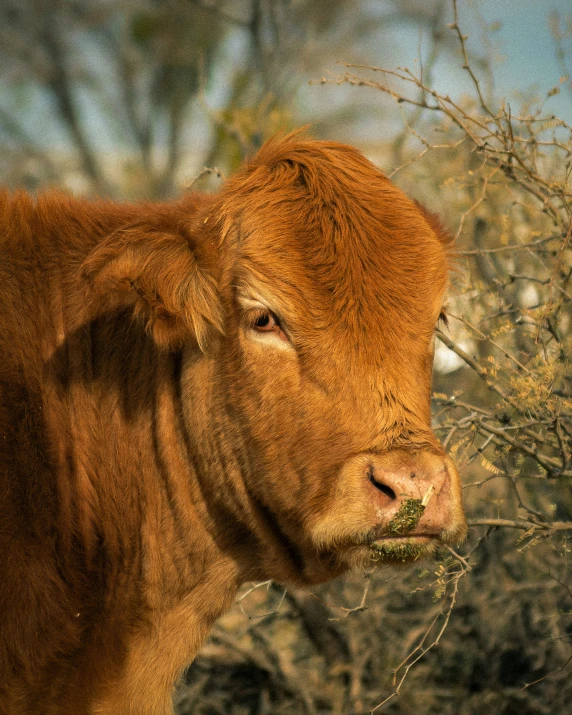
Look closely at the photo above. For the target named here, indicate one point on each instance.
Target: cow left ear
(164, 280)
(445, 236)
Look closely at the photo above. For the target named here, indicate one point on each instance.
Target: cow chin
(386, 551)
(402, 549)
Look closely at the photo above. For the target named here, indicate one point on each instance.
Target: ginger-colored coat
(203, 392)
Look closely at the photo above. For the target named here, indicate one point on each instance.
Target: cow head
(311, 410)
(332, 297)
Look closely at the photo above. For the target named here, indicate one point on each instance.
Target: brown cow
(202, 392)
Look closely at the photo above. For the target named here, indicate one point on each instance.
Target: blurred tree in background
(132, 98)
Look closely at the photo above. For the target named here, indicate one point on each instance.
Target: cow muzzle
(416, 498)
(391, 507)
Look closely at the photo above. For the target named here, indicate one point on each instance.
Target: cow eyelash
(264, 321)
(442, 319)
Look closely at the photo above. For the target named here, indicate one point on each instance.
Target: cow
(203, 392)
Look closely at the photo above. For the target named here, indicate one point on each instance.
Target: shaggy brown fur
(198, 393)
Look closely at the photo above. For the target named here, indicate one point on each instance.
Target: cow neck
(129, 508)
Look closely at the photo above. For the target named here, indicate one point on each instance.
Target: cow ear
(445, 236)
(170, 286)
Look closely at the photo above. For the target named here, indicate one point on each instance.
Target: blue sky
(523, 47)
(514, 34)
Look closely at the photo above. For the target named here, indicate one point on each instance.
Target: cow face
(305, 298)
(331, 299)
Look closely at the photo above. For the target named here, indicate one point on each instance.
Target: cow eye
(442, 319)
(265, 321)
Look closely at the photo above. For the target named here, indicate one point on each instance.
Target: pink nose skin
(400, 475)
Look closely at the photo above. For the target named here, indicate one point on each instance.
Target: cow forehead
(378, 268)
(354, 308)
(319, 219)
(336, 248)
(375, 275)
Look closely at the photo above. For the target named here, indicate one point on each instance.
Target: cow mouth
(404, 537)
(400, 549)
(382, 549)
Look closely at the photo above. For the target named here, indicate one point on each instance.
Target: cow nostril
(388, 491)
